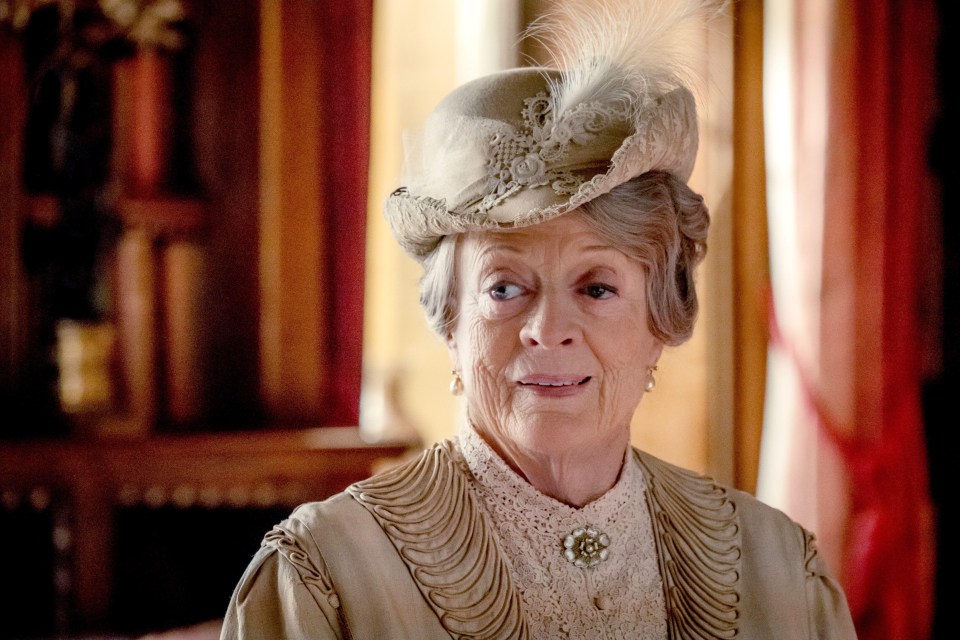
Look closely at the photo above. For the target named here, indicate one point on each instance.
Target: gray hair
(655, 218)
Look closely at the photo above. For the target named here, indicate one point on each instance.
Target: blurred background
(204, 320)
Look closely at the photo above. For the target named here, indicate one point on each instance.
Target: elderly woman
(559, 239)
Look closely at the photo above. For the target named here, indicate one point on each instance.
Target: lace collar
(620, 595)
(493, 471)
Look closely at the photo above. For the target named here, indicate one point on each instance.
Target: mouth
(553, 381)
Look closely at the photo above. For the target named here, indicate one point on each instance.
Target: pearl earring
(651, 381)
(456, 383)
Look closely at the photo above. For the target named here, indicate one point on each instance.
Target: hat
(523, 146)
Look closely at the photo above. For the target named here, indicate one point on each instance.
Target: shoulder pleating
(427, 510)
(310, 567)
(697, 532)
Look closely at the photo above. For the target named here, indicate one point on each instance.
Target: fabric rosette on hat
(525, 145)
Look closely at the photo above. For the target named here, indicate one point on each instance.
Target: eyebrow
(492, 248)
(601, 247)
(497, 248)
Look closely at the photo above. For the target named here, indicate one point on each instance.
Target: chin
(561, 433)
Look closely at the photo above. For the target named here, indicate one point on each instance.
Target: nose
(551, 323)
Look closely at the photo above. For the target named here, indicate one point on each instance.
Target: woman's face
(552, 340)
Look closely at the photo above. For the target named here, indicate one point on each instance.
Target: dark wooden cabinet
(142, 535)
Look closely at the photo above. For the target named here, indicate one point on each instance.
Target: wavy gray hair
(655, 218)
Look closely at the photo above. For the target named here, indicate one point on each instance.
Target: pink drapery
(867, 397)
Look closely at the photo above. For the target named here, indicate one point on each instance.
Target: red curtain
(878, 190)
(348, 33)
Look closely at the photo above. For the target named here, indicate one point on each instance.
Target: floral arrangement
(16, 14)
(155, 24)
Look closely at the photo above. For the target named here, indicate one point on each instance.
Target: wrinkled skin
(553, 347)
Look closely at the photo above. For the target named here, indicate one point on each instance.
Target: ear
(453, 351)
(655, 353)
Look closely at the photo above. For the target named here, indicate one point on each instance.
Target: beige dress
(456, 545)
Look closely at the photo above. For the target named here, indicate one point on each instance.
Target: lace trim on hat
(443, 538)
(621, 597)
(534, 155)
(698, 544)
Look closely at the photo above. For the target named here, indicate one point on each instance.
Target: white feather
(622, 50)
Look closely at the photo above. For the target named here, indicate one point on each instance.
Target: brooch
(586, 547)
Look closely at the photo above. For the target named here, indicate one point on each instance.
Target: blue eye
(599, 291)
(504, 291)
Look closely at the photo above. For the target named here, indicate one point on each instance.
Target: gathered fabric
(454, 544)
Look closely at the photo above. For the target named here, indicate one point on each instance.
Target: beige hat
(523, 146)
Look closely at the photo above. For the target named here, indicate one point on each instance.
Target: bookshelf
(238, 187)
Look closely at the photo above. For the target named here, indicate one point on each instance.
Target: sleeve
(285, 592)
(826, 603)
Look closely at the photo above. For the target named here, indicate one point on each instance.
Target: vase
(144, 122)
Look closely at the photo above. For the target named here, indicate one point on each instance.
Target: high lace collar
(620, 595)
(489, 468)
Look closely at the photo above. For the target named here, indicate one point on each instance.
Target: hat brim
(664, 137)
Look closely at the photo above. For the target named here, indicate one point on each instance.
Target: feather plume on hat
(619, 50)
(522, 146)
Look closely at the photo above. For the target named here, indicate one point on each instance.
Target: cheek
(624, 365)
(480, 337)
(625, 351)
(484, 343)
(484, 371)
(490, 346)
